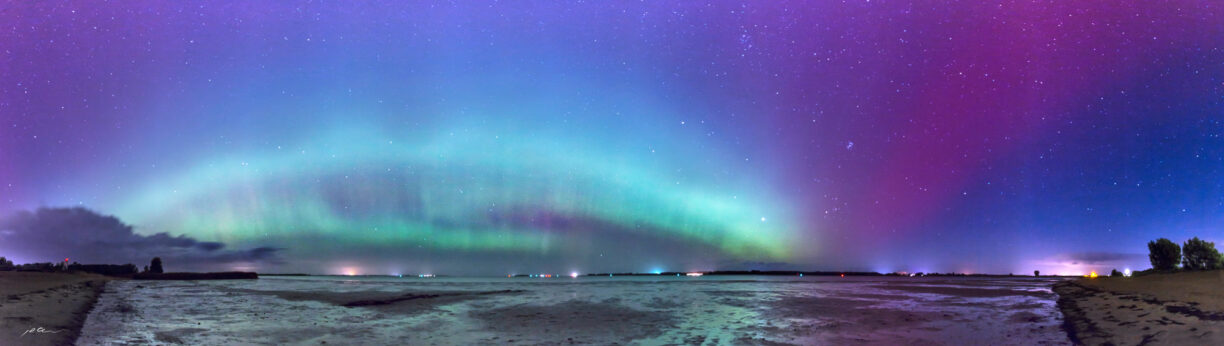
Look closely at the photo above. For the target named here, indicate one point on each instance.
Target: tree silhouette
(156, 266)
(1198, 254)
(1036, 273)
(1115, 273)
(1164, 254)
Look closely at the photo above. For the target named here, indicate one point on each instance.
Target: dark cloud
(210, 246)
(82, 235)
(1102, 257)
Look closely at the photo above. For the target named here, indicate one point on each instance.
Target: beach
(55, 302)
(650, 310)
(1178, 308)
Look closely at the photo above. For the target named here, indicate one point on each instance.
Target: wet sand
(56, 302)
(1180, 308)
(749, 311)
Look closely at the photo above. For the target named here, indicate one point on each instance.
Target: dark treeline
(153, 271)
(1194, 254)
(49, 267)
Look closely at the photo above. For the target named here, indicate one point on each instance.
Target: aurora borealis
(510, 137)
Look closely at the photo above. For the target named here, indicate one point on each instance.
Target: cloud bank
(85, 236)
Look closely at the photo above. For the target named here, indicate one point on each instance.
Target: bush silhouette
(156, 266)
(1036, 273)
(1164, 254)
(1198, 254)
(1115, 273)
(6, 264)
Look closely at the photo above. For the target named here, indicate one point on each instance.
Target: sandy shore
(1181, 308)
(57, 303)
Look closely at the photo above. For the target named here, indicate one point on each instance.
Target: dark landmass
(406, 302)
(197, 276)
(802, 273)
(104, 269)
(741, 272)
(412, 296)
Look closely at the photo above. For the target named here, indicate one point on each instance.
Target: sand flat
(1179, 308)
(1202, 288)
(663, 310)
(56, 302)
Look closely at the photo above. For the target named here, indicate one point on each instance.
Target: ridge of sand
(1179, 308)
(56, 302)
(406, 302)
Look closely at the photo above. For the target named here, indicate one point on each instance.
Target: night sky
(514, 137)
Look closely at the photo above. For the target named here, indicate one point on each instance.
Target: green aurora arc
(462, 190)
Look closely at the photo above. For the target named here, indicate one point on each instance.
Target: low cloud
(85, 236)
(1090, 258)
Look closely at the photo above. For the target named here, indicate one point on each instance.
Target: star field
(502, 137)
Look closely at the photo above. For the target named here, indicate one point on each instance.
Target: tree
(6, 264)
(1164, 254)
(1115, 273)
(156, 266)
(1036, 273)
(1198, 254)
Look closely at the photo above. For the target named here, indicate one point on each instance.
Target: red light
(65, 259)
(843, 275)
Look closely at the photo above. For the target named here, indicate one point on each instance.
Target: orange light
(843, 275)
(1092, 275)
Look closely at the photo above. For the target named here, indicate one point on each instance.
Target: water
(599, 310)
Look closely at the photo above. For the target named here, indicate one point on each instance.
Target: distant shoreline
(708, 273)
(197, 276)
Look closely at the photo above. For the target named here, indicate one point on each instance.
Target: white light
(573, 275)
(1126, 272)
(762, 219)
(694, 274)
